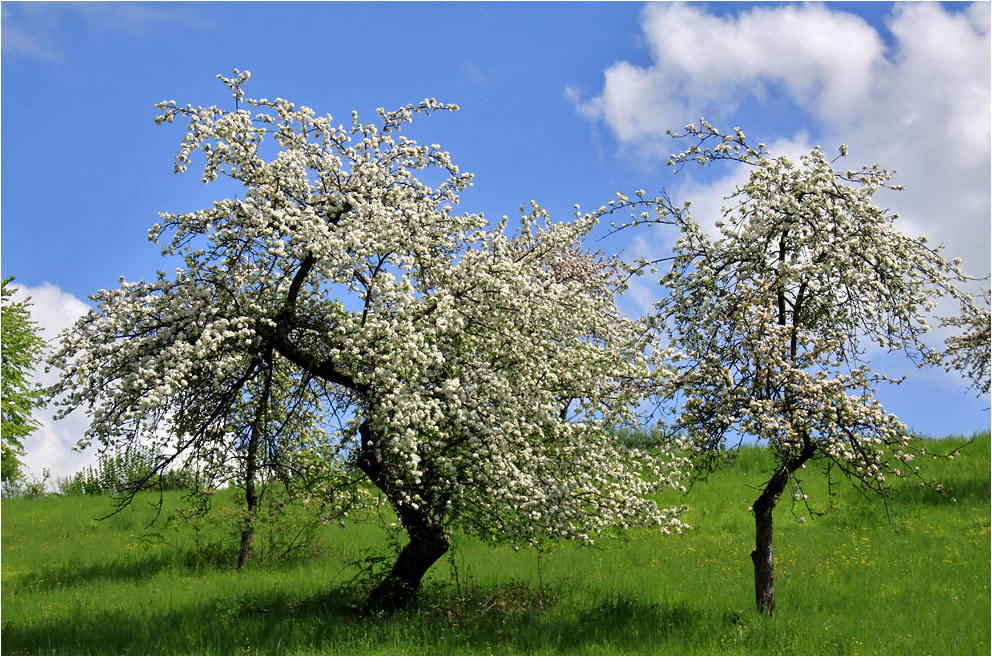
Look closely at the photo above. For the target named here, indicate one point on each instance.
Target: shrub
(113, 473)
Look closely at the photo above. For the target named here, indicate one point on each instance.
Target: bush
(647, 438)
(115, 473)
(28, 489)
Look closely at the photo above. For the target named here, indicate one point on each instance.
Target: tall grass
(910, 577)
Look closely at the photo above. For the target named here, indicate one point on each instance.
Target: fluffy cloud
(918, 103)
(824, 60)
(50, 446)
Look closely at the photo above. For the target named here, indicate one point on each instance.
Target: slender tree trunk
(428, 540)
(251, 467)
(763, 555)
(251, 504)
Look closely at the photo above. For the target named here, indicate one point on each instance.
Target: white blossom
(770, 320)
(474, 373)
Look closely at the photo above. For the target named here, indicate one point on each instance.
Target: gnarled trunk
(427, 545)
(428, 540)
(251, 504)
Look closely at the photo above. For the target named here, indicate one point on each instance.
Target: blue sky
(562, 103)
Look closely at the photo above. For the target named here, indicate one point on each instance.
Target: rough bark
(251, 504)
(763, 555)
(428, 540)
(427, 545)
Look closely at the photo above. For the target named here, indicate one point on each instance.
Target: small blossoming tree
(772, 321)
(469, 373)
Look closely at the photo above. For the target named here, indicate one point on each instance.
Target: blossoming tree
(470, 373)
(772, 320)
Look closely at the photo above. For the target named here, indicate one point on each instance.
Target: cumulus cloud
(706, 64)
(822, 59)
(916, 99)
(50, 446)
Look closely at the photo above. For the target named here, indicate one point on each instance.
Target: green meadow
(907, 577)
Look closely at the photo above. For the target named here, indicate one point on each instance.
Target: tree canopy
(471, 373)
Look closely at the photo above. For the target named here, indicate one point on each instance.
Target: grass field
(909, 578)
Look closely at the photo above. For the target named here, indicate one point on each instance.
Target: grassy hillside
(910, 577)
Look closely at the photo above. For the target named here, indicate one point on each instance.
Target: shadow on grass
(67, 574)
(135, 568)
(512, 618)
(625, 620)
(222, 625)
(516, 618)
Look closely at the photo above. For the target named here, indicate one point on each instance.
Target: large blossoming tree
(471, 374)
(774, 319)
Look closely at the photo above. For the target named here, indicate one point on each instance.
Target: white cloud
(50, 446)
(929, 118)
(52, 308)
(701, 63)
(920, 105)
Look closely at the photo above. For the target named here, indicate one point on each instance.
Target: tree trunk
(251, 501)
(763, 556)
(426, 546)
(248, 531)
(251, 466)
(244, 552)
(428, 540)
